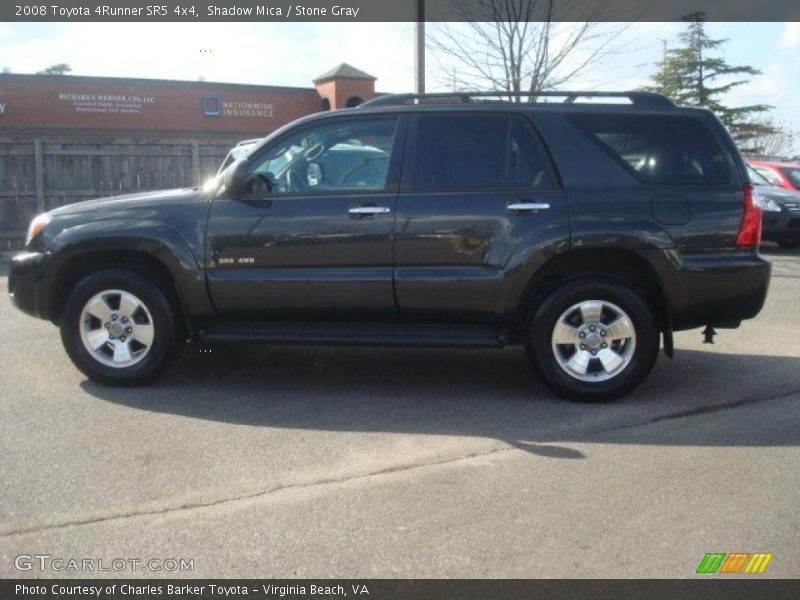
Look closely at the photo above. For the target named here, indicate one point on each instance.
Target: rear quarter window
(659, 149)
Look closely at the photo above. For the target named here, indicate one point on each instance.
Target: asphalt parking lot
(330, 462)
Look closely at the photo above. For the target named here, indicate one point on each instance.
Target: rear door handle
(368, 211)
(527, 206)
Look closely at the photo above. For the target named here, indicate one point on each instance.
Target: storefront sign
(107, 103)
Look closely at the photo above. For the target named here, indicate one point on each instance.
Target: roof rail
(641, 99)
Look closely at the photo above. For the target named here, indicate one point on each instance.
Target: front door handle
(368, 211)
(527, 206)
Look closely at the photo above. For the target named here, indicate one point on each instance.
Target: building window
(325, 104)
(354, 101)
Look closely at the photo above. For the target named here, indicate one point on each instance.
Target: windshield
(793, 173)
(757, 178)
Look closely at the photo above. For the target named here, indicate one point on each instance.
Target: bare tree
(781, 141)
(519, 45)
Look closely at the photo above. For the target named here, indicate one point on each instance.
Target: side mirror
(235, 178)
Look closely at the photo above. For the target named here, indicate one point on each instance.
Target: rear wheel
(118, 327)
(593, 340)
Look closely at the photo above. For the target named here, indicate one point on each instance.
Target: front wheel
(118, 327)
(593, 340)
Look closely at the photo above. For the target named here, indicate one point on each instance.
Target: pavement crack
(699, 411)
(507, 446)
(254, 495)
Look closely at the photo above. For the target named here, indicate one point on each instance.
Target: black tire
(543, 321)
(163, 322)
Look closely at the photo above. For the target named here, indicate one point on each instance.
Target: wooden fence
(41, 173)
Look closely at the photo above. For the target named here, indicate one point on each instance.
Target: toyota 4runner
(587, 229)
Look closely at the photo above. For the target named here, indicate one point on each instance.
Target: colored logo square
(212, 106)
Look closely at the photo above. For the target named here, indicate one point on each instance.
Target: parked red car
(785, 175)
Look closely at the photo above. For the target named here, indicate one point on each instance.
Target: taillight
(750, 228)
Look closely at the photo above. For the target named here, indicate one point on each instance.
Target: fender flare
(158, 240)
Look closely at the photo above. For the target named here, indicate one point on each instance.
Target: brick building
(32, 104)
(66, 138)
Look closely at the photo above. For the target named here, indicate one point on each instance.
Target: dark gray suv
(588, 230)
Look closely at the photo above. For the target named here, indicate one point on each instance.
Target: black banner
(401, 589)
(395, 10)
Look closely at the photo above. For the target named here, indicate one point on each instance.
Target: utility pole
(419, 51)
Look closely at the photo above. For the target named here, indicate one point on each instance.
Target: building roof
(344, 71)
(29, 77)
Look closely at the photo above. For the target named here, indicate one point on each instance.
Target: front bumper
(26, 284)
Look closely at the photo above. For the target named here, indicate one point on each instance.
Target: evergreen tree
(59, 69)
(694, 74)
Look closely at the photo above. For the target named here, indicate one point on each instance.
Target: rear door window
(659, 149)
(472, 152)
(460, 152)
(527, 165)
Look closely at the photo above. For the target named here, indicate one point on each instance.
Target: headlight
(39, 222)
(764, 203)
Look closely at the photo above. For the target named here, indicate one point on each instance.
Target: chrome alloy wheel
(593, 340)
(116, 328)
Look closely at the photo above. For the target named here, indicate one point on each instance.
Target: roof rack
(641, 99)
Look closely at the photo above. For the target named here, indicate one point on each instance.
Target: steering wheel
(295, 180)
(314, 151)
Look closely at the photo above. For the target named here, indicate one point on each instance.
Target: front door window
(342, 157)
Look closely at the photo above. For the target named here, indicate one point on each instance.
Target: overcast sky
(294, 53)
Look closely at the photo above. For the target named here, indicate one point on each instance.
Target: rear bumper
(720, 288)
(26, 285)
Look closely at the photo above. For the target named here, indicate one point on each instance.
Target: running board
(356, 334)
